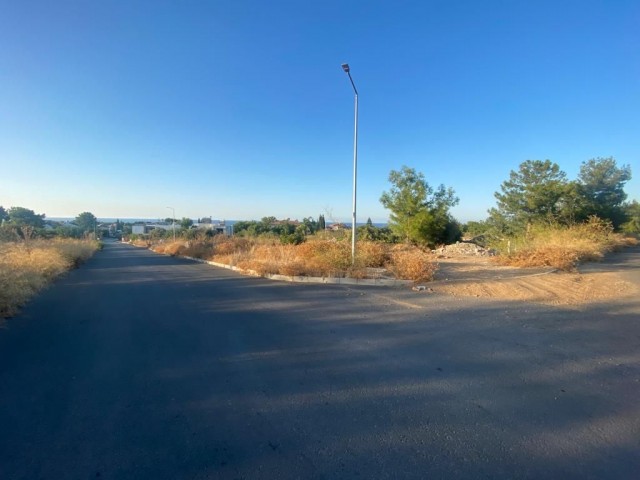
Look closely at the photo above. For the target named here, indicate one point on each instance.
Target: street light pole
(173, 221)
(345, 67)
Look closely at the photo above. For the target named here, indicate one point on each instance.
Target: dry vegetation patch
(27, 267)
(562, 247)
(318, 257)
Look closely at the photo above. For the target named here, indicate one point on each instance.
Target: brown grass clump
(27, 267)
(272, 259)
(562, 247)
(411, 263)
(320, 256)
(326, 258)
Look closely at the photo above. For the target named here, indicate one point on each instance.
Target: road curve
(139, 366)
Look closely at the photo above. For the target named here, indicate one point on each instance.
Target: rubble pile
(464, 249)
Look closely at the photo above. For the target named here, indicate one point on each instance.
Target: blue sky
(239, 109)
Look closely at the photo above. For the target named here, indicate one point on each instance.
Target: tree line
(539, 191)
(22, 223)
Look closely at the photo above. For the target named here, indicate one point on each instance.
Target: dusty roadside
(480, 276)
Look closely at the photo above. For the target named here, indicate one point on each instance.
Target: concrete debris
(422, 288)
(464, 249)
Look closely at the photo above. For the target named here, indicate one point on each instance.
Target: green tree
(534, 193)
(311, 226)
(186, 223)
(86, 221)
(632, 214)
(419, 213)
(601, 188)
(474, 228)
(3, 215)
(24, 217)
(321, 223)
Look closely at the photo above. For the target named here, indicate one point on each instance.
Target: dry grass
(318, 256)
(27, 267)
(412, 264)
(563, 247)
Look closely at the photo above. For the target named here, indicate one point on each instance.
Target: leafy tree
(86, 221)
(3, 215)
(632, 214)
(311, 226)
(601, 188)
(373, 233)
(186, 223)
(419, 213)
(158, 233)
(474, 228)
(24, 217)
(296, 237)
(535, 192)
(68, 231)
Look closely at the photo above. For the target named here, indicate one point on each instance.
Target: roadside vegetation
(561, 246)
(323, 255)
(32, 256)
(541, 219)
(544, 219)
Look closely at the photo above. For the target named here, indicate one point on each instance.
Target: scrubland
(562, 247)
(28, 266)
(318, 256)
(559, 246)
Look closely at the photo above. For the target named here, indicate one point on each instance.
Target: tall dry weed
(320, 256)
(27, 267)
(411, 263)
(562, 247)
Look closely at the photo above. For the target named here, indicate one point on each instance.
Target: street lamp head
(345, 67)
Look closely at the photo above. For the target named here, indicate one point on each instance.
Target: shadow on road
(180, 370)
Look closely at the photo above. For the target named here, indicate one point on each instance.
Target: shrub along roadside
(562, 247)
(27, 267)
(319, 256)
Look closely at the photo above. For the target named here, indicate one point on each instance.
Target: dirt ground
(482, 277)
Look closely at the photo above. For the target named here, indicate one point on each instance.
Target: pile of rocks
(464, 249)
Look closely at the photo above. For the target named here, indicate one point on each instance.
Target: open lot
(138, 365)
(591, 283)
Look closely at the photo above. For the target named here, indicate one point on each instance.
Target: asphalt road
(143, 366)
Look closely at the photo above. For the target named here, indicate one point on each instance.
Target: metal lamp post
(173, 221)
(345, 67)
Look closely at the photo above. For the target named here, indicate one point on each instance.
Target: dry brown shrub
(224, 245)
(550, 256)
(141, 242)
(372, 254)
(173, 248)
(273, 259)
(563, 247)
(411, 263)
(326, 258)
(197, 249)
(25, 268)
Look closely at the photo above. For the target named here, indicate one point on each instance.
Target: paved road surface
(143, 366)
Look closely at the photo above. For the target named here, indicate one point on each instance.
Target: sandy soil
(481, 277)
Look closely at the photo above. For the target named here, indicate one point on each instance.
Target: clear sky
(240, 109)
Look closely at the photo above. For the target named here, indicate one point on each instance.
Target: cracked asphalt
(139, 366)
